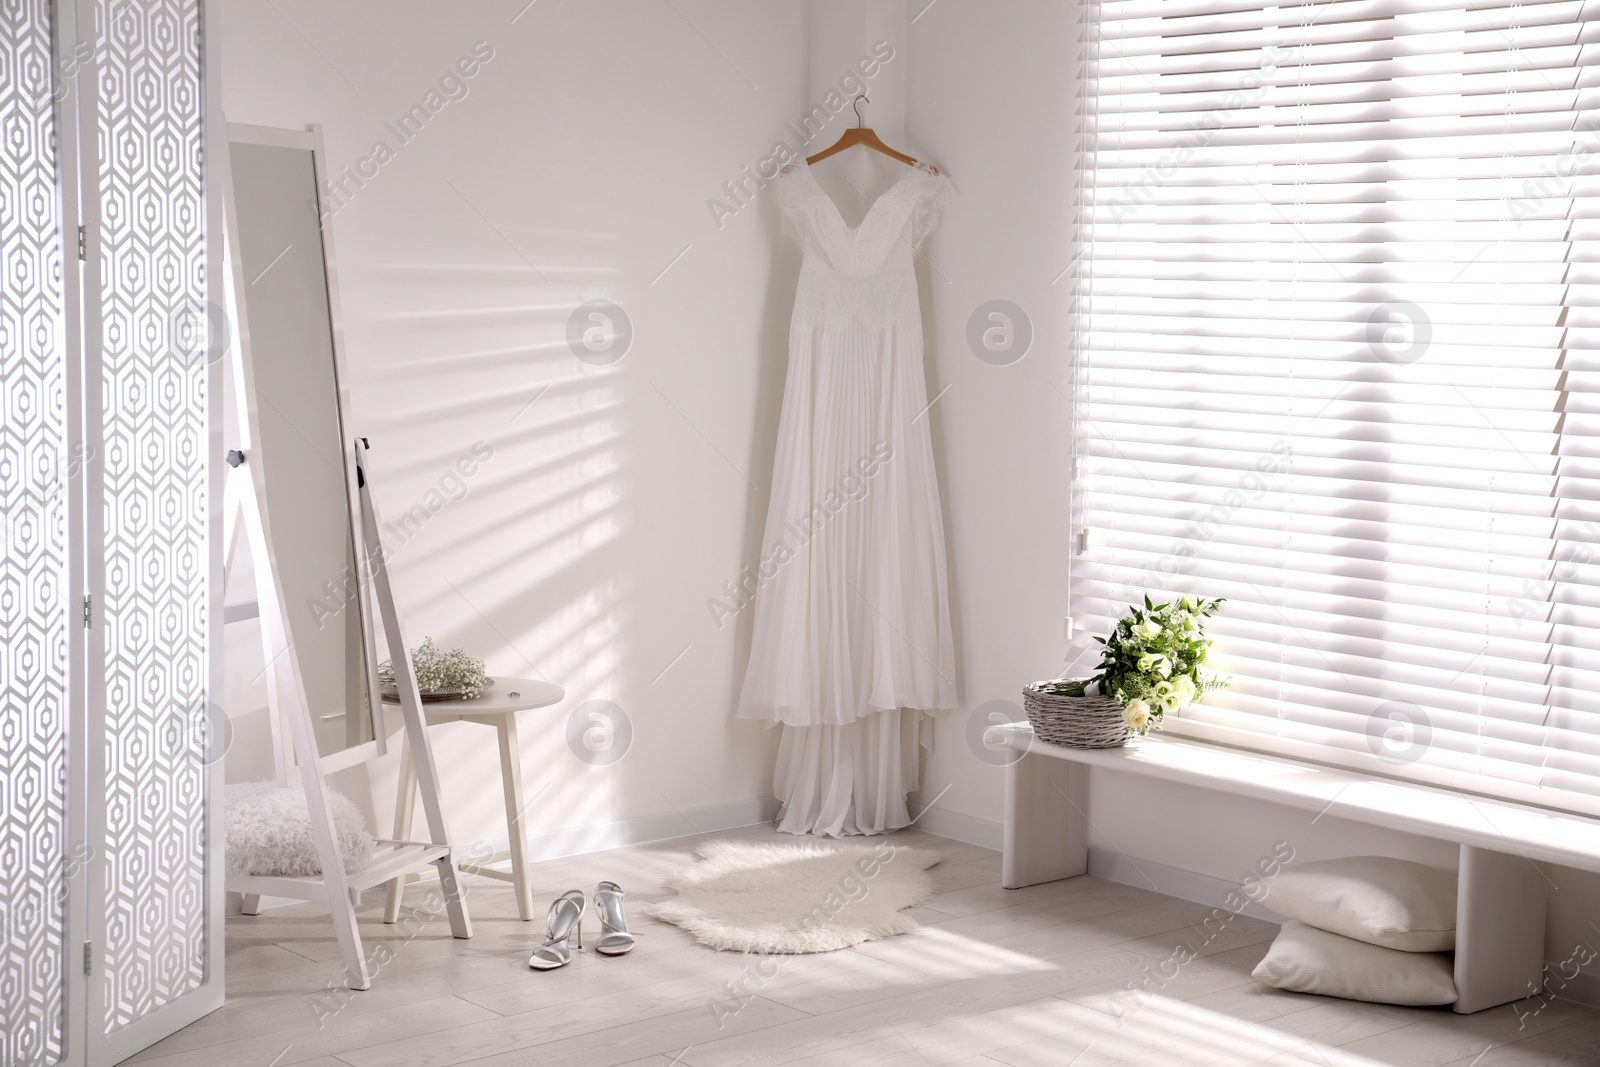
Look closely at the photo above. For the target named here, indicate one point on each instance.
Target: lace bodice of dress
(863, 273)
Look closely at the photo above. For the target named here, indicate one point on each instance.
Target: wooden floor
(1025, 977)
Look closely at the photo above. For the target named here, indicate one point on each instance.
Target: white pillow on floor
(1382, 901)
(1307, 960)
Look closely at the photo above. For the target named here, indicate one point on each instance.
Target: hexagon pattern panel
(155, 586)
(33, 551)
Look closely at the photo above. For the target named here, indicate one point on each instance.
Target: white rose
(1185, 688)
(1163, 666)
(1188, 603)
(1171, 702)
(1136, 713)
(1148, 629)
(1146, 661)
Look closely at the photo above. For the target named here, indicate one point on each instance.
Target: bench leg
(1047, 821)
(1499, 929)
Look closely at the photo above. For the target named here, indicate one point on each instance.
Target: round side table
(496, 707)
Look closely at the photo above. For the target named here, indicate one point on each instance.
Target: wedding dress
(852, 640)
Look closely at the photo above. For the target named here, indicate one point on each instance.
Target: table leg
(511, 780)
(405, 802)
(1047, 821)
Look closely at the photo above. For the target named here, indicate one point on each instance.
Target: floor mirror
(299, 499)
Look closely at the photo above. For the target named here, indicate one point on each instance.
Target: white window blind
(1339, 362)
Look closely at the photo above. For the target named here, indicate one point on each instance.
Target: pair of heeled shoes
(566, 920)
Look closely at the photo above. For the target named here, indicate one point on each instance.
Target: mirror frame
(285, 685)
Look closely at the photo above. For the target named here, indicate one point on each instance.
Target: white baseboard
(967, 829)
(1583, 989)
(643, 829)
(1115, 866)
(597, 837)
(1109, 864)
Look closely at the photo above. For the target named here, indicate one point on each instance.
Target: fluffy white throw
(810, 896)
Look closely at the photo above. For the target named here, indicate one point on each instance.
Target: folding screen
(110, 879)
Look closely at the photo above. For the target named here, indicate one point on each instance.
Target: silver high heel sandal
(566, 915)
(615, 940)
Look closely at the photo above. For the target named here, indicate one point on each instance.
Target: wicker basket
(1075, 721)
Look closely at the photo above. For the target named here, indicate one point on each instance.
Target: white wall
(990, 100)
(578, 165)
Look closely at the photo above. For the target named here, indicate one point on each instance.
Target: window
(1337, 362)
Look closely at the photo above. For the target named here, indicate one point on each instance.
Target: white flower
(1185, 689)
(1163, 666)
(1136, 713)
(1146, 661)
(1188, 603)
(1149, 629)
(1171, 702)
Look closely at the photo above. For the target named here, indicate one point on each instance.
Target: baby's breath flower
(436, 669)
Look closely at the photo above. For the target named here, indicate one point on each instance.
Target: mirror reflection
(302, 446)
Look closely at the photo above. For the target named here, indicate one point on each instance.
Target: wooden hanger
(863, 136)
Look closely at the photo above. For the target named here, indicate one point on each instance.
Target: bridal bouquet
(1152, 660)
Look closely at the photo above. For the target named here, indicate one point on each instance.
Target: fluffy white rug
(810, 896)
(268, 831)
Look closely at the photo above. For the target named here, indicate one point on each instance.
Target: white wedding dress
(852, 641)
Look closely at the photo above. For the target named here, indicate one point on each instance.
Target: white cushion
(1307, 960)
(1382, 901)
(268, 831)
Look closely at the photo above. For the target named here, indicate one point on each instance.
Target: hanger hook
(857, 105)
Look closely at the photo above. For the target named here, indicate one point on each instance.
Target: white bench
(1501, 901)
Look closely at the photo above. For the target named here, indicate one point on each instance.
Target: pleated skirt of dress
(852, 640)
